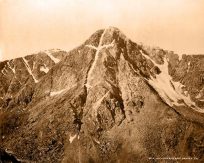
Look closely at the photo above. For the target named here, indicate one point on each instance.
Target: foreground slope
(108, 100)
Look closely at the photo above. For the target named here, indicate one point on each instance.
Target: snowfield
(169, 90)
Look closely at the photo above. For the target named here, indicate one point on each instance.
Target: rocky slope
(108, 100)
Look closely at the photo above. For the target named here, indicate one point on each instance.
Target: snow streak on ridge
(57, 92)
(98, 49)
(54, 59)
(29, 69)
(12, 68)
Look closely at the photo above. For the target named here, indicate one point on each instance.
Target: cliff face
(108, 100)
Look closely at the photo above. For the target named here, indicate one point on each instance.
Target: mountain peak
(110, 94)
(107, 34)
(112, 29)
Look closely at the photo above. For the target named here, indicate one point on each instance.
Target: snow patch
(108, 45)
(54, 93)
(49, 54)
(29, 69)
(170, 91)
(147, 57)
(71, 138)
(91, 46)
(44, 69)
(101, 47)
(185, 93)
(98, 142)
(189, 65)
(57, 92)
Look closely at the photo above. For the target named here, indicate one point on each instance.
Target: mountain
(108, 100)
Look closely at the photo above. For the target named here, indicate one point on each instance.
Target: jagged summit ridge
(113, 38)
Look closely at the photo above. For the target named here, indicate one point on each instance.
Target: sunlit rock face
(108, 100)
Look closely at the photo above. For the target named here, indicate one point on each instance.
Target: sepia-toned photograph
(101, 81)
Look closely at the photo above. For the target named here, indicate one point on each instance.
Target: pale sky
(28, 26)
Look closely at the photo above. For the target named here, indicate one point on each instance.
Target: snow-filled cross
(98, 49)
